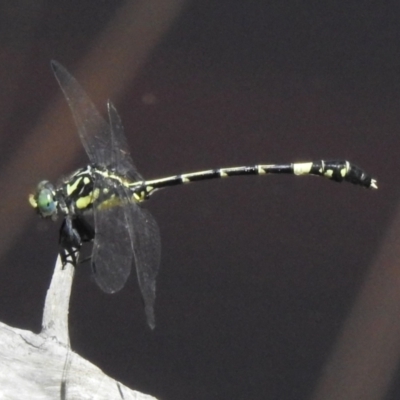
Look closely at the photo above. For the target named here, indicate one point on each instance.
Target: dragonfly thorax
(76, 192)
(97, 187)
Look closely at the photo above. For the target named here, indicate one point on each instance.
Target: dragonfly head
(44, 200)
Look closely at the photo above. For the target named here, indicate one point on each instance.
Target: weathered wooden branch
(43, 366)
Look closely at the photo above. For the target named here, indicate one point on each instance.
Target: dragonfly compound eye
(46, 203)
(43, 201)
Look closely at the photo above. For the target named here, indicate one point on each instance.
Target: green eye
(46, 203)
(44, 200)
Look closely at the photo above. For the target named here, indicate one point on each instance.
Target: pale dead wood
(43, 367)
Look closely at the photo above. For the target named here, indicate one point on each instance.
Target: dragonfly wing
(124, 230)
(94, 131)
(104, 144)
(120, 155)
(145, 235)
(112, 248)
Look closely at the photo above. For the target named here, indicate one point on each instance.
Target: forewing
(112, 248)
(120, 155)
(94, 131)
(104, 143)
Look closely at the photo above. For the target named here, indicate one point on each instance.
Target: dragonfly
(110, 191)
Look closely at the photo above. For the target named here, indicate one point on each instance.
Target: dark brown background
(270, 288)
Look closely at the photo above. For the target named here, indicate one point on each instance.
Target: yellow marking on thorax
(71, 188)
(302, 168)
(84, 202)
(113, 201)
(120, 179)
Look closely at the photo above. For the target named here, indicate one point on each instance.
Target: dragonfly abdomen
(81, 191)
(337, 170)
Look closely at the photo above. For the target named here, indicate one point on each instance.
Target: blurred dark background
(261, 277)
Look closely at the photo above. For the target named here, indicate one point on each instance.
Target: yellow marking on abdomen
(302, 168)
(261, 170)
(185, 179)
(136, 198)
(344, 171)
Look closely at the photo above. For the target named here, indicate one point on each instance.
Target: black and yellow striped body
(334, 170)
(110, 189)
(80, 193)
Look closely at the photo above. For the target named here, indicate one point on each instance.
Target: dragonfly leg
(73, 232)
(70, 242)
